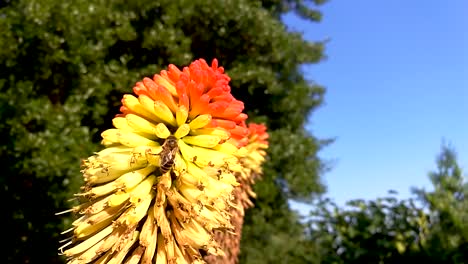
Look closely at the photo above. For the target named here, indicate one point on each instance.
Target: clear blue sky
(397, 84)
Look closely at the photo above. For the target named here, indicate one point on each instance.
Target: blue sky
(396, 75)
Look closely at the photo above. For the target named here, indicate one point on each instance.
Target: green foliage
(448, 209)
(388, 230)
(382, 231)
(64, 66)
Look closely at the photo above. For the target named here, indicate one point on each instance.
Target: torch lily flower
(164, 183)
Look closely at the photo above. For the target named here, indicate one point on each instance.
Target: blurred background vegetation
(64, 65)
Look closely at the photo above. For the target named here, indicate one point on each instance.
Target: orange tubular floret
(158, 92)
(167, 98)
(224, 97)
(240, 141)
(184, 100)
(215, 92)
(173, 73)
(186, 71)
(140, 89)
(151, 87)
(240, 130)
(166, 82)
(200, 106)
(231, 112)
(240, 118)
(257, 132)
(227, 124)
(182, 92)
(203, 78)
(217, 107)
(195, 93)
(124, 110)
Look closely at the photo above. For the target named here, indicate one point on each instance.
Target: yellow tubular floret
(164, 113)
(182, 131)
(162, 131)
(200, 121)
(207, 141)
(89, 255)
(89, 242)
(140, 124)
(219, 132)
(126, 138)
(181, 115)
(137, 106)
(96, 222)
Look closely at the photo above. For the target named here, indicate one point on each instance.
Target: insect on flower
(168, 154)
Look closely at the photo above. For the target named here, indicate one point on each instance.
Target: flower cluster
(165, 181)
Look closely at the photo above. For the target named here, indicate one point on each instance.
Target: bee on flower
(168, 154)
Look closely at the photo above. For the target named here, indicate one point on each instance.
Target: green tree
(385, 230)
(64, 66)
(448, 207)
